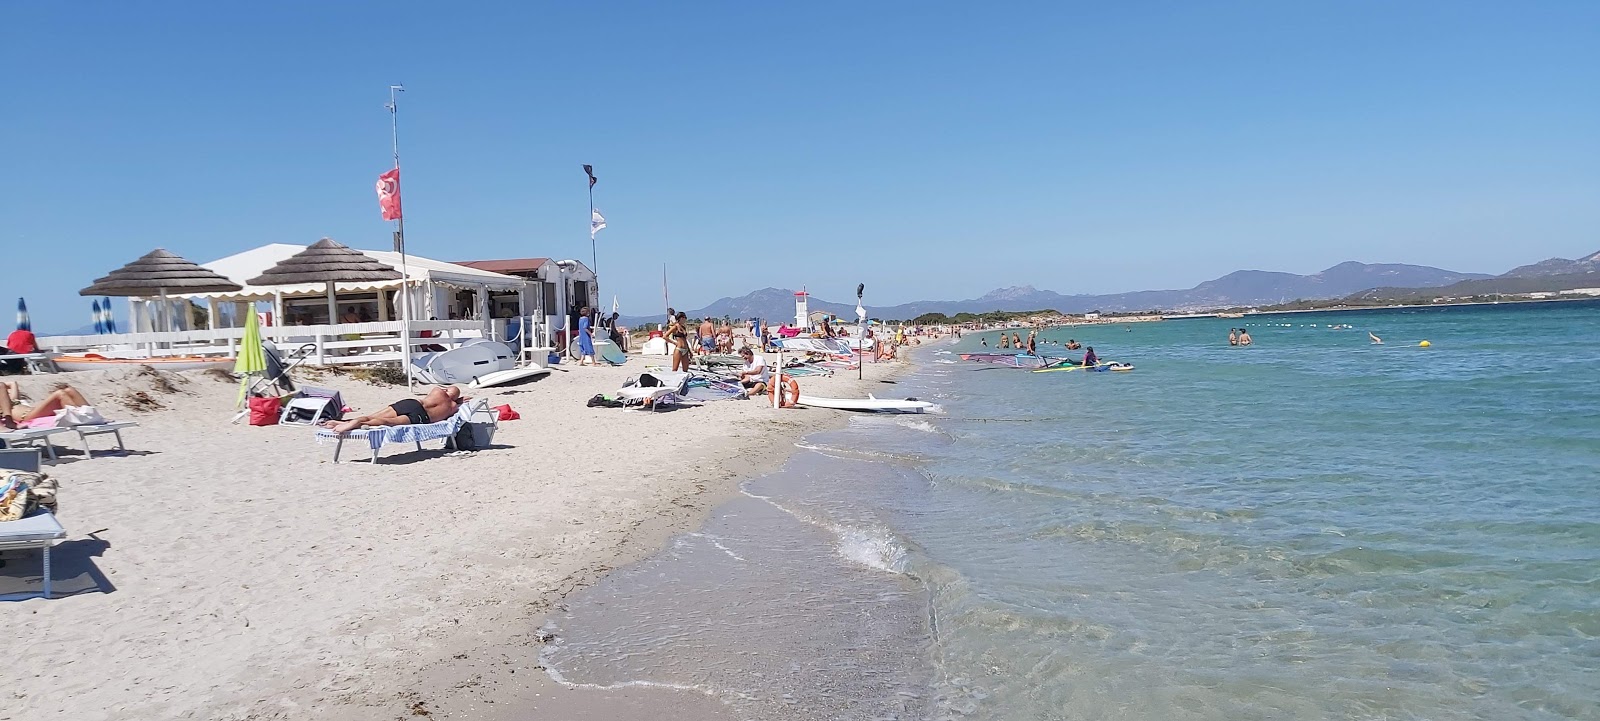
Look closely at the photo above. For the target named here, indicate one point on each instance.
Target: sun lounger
(36, 362)
(96, 429)
(31, 437)
(376, 438)
(39, 531)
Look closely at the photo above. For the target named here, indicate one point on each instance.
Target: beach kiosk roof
(157, 273)
(325, 261)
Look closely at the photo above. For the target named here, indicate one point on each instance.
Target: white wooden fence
(344, 343)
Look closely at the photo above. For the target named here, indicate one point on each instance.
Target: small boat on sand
(94, 361)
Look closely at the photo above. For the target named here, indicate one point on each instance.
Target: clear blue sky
(932, 150)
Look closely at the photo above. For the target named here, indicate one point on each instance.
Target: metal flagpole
(594, 255)
(861, 331)
(400, 240)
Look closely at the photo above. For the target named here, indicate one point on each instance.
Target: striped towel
(410, 433)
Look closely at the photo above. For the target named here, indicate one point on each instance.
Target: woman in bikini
(678, 336)
(13, 413)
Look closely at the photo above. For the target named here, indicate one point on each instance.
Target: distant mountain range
(1239, 288)
(1555, 274)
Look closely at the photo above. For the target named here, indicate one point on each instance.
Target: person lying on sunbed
(14, 413)
(440, 403)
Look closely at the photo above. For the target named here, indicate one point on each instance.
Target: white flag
(861, 313)
(613, 304)
(596, 223)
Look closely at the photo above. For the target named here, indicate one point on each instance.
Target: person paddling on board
(1090, 360)
(1375, 339)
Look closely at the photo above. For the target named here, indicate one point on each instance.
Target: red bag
(506, 414)
(264, 411)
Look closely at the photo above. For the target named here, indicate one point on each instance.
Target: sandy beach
(226, 571)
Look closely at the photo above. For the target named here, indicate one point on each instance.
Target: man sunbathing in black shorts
(440, 403)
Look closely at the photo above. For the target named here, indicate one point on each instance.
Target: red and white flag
(389, 194)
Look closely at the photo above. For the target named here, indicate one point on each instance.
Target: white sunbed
(32, 437)
(39, 531)
(375, 438)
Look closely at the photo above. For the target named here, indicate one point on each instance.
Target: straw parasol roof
(326, 261)
(159, 271)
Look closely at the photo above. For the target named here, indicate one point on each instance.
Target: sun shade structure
(326, 261)
(157, 273)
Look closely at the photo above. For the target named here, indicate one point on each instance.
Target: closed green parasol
(252, 359)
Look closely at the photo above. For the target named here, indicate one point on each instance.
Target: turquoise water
(1312, 527)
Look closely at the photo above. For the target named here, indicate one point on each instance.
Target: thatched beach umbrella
(329, 262)
(155, 274)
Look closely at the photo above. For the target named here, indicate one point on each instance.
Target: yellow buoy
(1424, 344)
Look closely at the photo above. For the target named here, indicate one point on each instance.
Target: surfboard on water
(1097, 368)
(881, 405)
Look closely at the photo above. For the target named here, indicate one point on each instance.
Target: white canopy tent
(426, 281)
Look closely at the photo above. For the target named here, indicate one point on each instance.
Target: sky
(931, 150)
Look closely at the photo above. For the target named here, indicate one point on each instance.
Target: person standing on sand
(677, 336)
(585, 339)
(708, 337)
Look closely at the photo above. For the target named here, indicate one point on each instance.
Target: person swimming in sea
(1033, 345)
(983, 342)
(1073, 344)
(1233, 336)
(1005, 341)
(1244, 337)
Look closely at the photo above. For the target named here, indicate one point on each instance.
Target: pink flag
(389, 194)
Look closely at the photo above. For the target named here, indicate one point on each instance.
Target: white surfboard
(882, 405)
(515, 375)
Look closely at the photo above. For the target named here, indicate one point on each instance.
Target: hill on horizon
(1239, 288)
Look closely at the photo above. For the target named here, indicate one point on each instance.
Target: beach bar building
(449, 302)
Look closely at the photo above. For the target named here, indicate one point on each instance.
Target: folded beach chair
(376, 438)
(39, 530)
(310, 406)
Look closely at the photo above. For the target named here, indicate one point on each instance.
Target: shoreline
(495, 678)
(264, 582)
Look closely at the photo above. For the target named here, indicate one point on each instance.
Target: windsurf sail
(1014, 360)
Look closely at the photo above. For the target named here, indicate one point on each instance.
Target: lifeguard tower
(800, 319)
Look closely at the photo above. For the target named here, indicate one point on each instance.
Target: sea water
(1311, 527)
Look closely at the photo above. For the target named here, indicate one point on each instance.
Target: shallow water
(1312, 527)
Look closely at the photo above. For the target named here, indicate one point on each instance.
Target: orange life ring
(791, 390)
